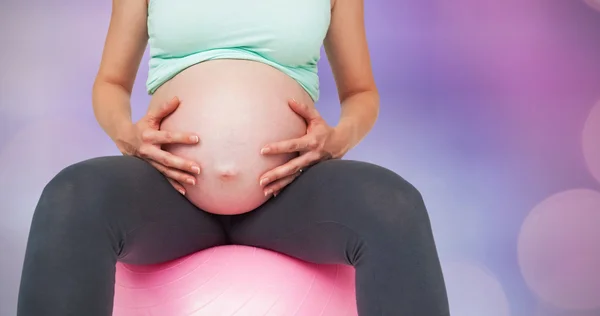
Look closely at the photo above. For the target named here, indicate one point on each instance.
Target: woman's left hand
(321, 142)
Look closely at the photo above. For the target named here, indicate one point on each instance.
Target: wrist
(344, 134)
(124, 137)
(348, 128)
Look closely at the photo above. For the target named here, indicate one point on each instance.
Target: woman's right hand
(144, 140)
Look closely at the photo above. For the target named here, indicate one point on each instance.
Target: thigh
(128, 201)
(360, 214)
(333, 209)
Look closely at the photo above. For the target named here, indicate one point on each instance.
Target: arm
(124, 47)
(348, 54)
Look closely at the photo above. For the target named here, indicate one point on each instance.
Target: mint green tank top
(285, 34)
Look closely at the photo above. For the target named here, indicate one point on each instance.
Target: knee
(76, 193)
(393, 202)
(378, 197)
(75, 181)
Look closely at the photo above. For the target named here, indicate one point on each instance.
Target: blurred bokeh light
(474, 291)
(591, 141)
(559, 251)
(593, 3)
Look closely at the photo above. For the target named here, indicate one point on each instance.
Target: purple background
(491, 108)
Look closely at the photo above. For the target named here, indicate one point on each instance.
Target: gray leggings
(100, 211)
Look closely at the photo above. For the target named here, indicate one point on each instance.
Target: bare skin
(348, 54)
(237, 107)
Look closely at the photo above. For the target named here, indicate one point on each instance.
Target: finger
(304, 143)
(290, 168)
(276, 187)
(177, 186)
(167, 159)
(173, 174)
(162, 169)
(309, 113)
(163, 137)
(164, 110)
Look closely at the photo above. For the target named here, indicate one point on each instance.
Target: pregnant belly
(236, 107)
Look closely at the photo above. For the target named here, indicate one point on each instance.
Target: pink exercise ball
(235, 280)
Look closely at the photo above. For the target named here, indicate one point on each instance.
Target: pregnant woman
(232, 151)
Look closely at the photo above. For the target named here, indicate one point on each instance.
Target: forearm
(359, 113)
(112, 108)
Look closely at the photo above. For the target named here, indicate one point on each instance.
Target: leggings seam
(123, 242)
(351, 230)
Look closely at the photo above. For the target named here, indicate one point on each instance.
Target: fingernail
(294, 100)
(268, 192)
(195, 139)
(263, 180)
(265, 150)
(191, 181)
(275, 194)
(181, 191)
(196, 170)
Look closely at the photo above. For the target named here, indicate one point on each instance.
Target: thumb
(305, 111)
(159, 113)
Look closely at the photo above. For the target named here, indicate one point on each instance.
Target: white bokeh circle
(591, 141)
(474, 291)
(593, 3)
(559, 249)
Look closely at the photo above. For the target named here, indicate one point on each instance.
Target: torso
(236, 107)
(234, 65)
